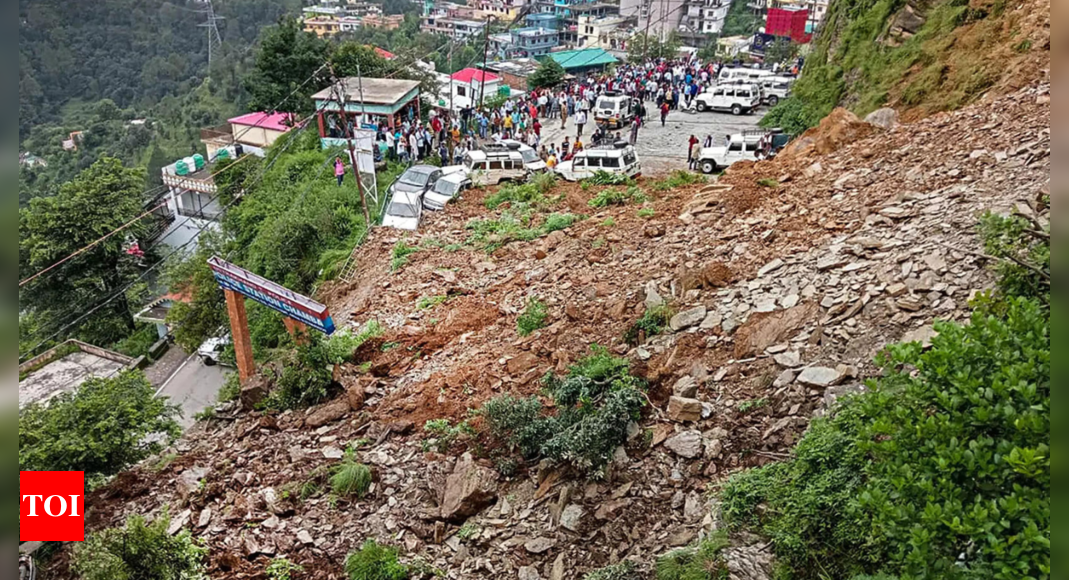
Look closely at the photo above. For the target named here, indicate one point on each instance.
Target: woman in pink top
(339, 170)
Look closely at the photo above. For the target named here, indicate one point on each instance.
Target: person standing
(692, 152)
(664, 112)
(580, 120)
(635, 124)
(339, 170)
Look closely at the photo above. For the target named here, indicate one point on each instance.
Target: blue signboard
(272, 295)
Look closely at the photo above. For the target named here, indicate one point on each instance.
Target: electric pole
(340, 98)
(215, 42)
(486, 47)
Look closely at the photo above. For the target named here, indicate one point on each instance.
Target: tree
(548, 74)
(288, 56)
(100, 428)
(102, 198)
(140, 551)
(642, 47)
(202, 310)
(780, 51)
(740, 20)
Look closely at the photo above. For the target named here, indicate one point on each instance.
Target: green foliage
(100, 199)
(608, 222)
(445, 434)
(468, 532)
(525, 195)
(533, 317)
(1023, 249)
(306, 376)
(679, 178)
(548, 74)
(768, 182)
(399, 255)
(741, 20)
(281, 568)
(426, 302)
(544, 182)
(595, 401)
(646, 212)
(602, 177)
(625, 570)
(653, 322)
(641, 47)
(493, 234)
(948, 452)
(752, 405)
(99, 428)
(350, 478)
(138, 343)
(287, 56)
(342, 344)
(607, 197)
(140, 551)
(699, 562)
(375, 562)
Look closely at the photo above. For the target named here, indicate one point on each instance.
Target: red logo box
(52, 506)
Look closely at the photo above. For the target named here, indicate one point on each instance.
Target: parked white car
(211, 350)
(614, 110)
(741, 146)
(531, 161)
(445, 189)
(619, 158)
(491, 165)
(738, 99)
(736, 73)
(404, 211)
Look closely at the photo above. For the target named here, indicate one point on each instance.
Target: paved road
(664, 149)
(193, 387)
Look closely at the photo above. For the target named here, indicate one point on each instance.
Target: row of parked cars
(426, 187)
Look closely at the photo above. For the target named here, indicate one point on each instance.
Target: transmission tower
(215, 42)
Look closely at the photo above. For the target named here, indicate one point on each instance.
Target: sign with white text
(274, 296)
(52, 506)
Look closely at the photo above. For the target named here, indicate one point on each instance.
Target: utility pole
(339, 97)
(213, 33)
(486, 47)
(451, 76)
(646, 34)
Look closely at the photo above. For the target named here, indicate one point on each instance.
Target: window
(403, 210)
(461, 91)
(742, 94)
(495, 165)
(629, 157)
(718, 93)
(593, 162)
(579, 162)
(611, 162)
(751, 146)
(735, 146)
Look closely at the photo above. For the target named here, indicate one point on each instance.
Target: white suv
(614, 109)
(738, 99)
(619, 158)
(491, 165)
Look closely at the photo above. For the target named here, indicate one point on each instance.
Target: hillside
(917, 56)
(785, 278)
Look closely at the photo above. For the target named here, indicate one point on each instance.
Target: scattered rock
(923, 335)
(790, 359)
(686, 444)
(528, 573)
(328, 413)
(539, 545)
(770, 267)
(687, 318)
(885, 118)
(355, 396)
(685, 387)
(684, 409)
(572, 517)
(253, 392)
(469, 489)
(653, 299)
(819, 376)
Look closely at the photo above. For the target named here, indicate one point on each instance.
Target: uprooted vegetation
(595, 402)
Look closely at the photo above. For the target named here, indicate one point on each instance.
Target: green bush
(445, 433)
(699, 562)
(375, 562)
(510, 227)
(625, 570)
(281, 568)
(306, 377)
(350, 478)
(99, 428)
(526, 194)
(533, 317)
(1023, 249)
(653, 322)
(399, 255)
(942, 470)
(544, 182)
(138, 343)
(679, 178)
(595, 401)
(140, 551)
(342, 344)
(607, 197)
(231, 389)
(426, 302)
(646, 212)
(602, 177)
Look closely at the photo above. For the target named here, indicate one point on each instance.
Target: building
(732, 46)
(583, 60)
(609, 32)
(818, 9)
(329, 18)
(659, 17)
(788, 22)
(705, 16)
(526, 42)
(368, 103)
(65, 367)
(514, 72)
(452, 20)
(465, 87)
(254, 131)
(500, 10)
(29, 160)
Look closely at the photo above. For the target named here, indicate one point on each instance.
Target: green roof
(582, 58)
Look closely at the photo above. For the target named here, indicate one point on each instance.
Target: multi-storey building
(526, 42)
(608, 32)
(705, 16)
(501, 10)
(453, 20)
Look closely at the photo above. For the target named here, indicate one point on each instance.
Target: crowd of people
(664, 85)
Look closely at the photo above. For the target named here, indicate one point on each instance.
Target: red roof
(469, 74)
(384, 53)
(273, 121)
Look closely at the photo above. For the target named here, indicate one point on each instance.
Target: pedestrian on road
(339, 170)
(664, 112)
(580, 120)
(692, 152)
(635, 124)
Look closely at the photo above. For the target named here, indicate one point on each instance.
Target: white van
(491, 165)
(738, 99)
(728, 74)
(614, 109)
(619, 158)
(404, 211)
(445, 190)
(531, 161)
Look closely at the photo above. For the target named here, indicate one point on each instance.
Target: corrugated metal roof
(583, 57)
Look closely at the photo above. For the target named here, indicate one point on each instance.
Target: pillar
(297, 329)
(239, 333)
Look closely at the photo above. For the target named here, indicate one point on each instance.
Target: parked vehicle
(416, 179)
(405, 210)
(211, 350)
(531, 161)
(738, 99)
(619, 158)
(740, 146)
(494, 163)
(728, 74)
(614, 109)
(445, 189)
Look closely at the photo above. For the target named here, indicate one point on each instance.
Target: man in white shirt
(580, 120)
